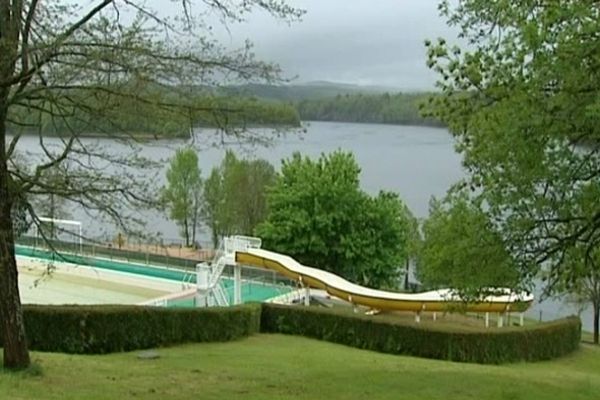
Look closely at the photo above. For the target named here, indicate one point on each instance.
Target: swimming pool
(80, 279)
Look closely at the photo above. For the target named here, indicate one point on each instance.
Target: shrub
(538, 342)
(105, 329)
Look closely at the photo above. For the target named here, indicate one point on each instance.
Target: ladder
(225, 255)
(217, 295)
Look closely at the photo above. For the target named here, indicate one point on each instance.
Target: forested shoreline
(386, 108)
(155, 120)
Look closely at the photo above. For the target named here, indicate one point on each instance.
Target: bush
(538, 342)
(105, 329)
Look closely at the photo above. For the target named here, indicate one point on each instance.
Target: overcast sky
(369, 42)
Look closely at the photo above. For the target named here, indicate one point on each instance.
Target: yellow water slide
(437, 300)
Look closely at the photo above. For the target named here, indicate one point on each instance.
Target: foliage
(183, 192)
(319, 215)
(462, 250)
(293, 93)
(539, 342)
(129, 118)
(399, 108)
(235, 196)
(244, 112)
(582, 286)
(522, 101)
(108, 329)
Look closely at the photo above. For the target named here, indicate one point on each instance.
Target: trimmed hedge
(538, 342)
(106, 329)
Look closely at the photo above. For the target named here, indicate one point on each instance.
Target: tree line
(127, 116)
(386, 108)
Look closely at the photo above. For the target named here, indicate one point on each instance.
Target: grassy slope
(282, 367)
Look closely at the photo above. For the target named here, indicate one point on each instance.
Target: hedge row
(106, 329)
(538, 342)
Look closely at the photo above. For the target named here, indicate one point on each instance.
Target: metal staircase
(213, 293)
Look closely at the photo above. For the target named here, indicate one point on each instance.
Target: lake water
(416, 162)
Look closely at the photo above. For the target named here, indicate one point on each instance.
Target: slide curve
(437, 300)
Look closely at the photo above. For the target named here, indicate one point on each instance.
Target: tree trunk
(215, 236)
(195, 221)
(12, 327)
(596, 321)
(186, 232)
(406, 272)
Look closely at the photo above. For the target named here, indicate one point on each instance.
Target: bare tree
(72, 70)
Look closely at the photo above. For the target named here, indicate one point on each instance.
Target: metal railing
(148, 254)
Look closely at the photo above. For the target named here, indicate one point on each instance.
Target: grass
(287, 367)
(453, 320)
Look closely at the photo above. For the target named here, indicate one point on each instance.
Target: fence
(145, 253)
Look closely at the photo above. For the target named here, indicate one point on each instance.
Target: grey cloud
(376, 42)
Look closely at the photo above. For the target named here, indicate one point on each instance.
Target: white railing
(220, 295)
(187, 280)
(288, 298)
(163, 301)
(241, 243)
(223, 256)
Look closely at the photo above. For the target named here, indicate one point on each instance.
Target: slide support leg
(202, 285)
(521, 322)
(306, 296)
(237, 284)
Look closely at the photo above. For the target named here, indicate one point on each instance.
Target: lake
(416, 162)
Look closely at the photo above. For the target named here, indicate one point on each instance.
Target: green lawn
(283, 367)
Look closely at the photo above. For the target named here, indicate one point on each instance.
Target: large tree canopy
(461, 249)
(87, 64)
(182, 194)
(523, 102)
(319, 215)
(235, 196)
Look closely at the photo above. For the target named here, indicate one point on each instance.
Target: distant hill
(303, 91)
(341, 102)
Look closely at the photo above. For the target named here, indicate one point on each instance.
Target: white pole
(306, 296)
(202, 284)
(500, 320)
(80, 240)
(521, 321)
(435, 316)
(237, 284)
(487, 319)
(418, 317)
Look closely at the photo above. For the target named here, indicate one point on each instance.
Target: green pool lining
(251, 291)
